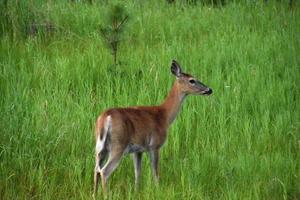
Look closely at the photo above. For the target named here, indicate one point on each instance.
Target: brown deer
(139, 129)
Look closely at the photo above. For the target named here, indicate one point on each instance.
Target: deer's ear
(175, 69)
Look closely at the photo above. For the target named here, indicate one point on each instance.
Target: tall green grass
(239, 143)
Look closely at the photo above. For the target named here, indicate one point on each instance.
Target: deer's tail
(101, 134)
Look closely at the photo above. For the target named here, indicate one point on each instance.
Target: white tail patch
(101, 142)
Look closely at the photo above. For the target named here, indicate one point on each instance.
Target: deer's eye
(192, 81)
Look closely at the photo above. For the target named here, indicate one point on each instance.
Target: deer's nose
(208, 91)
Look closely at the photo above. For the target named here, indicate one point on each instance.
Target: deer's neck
(173, 103)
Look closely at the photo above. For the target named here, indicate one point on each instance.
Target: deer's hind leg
(99, 159)
(115, 156)
(102, 147)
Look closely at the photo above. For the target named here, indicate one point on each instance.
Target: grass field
(240, 143)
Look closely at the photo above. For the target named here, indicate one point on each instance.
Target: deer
(135, 130)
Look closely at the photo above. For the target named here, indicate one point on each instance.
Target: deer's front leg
(137, 160)
(154, 157)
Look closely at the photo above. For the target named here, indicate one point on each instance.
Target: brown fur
(136, 124)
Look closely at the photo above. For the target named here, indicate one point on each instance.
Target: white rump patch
(100, 143)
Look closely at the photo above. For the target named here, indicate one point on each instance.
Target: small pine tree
(113, 28)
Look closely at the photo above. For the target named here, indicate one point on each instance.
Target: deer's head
(187, 83)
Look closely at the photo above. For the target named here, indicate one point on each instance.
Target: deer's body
(142, 127)
(138, 129)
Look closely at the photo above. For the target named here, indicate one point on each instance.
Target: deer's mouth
(207, 92)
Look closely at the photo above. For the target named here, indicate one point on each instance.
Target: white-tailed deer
(139, 129)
